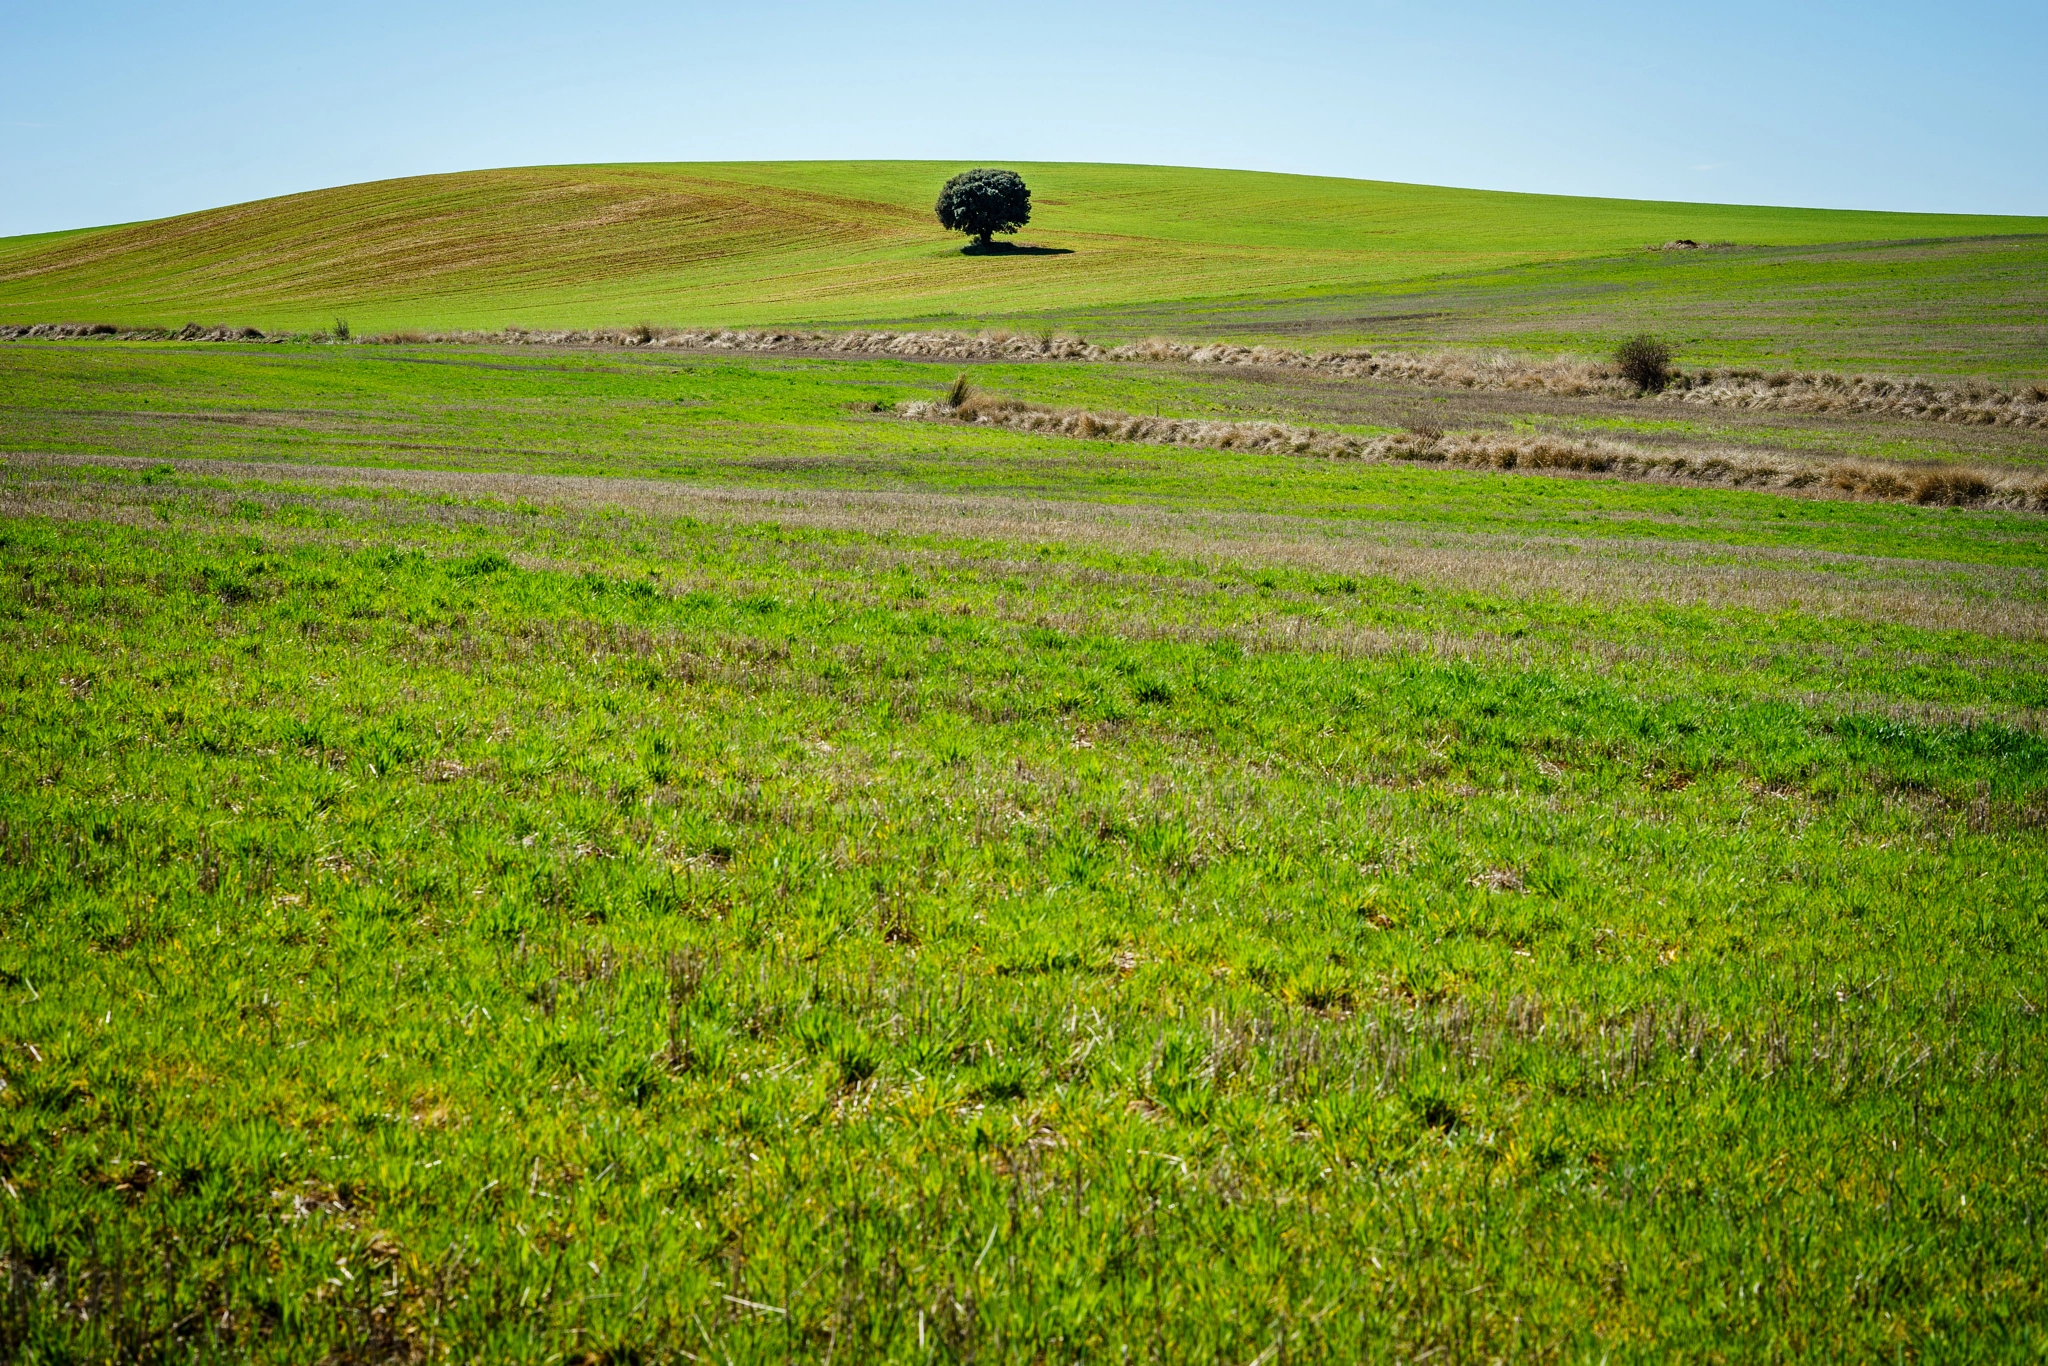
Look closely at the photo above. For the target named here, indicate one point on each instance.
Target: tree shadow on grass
(1013, 249)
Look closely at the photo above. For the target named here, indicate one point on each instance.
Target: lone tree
(984, 201)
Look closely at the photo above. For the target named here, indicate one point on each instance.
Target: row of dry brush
(213, 332)
(1970, 402)
(1943, 485)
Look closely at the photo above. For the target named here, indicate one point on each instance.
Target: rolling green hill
(1133, 249)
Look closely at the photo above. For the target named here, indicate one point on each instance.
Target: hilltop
(1130, 250)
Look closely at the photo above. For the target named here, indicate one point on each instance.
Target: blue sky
(119, 111)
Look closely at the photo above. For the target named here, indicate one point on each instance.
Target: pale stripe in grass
(1937, 594)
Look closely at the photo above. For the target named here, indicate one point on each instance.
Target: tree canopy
(984, 201)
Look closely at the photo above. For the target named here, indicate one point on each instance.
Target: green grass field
(564, 856)
(1137, 249)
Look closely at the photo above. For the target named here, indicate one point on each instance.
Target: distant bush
(984, 201)
(341, 328)
(1644, 362)
(957, 396)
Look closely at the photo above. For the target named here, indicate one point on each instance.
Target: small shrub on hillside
(341, 329)
(984, 201)
(1644, 362)
(957, 396)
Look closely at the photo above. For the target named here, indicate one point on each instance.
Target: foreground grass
(893, 894)
(1136, 249)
